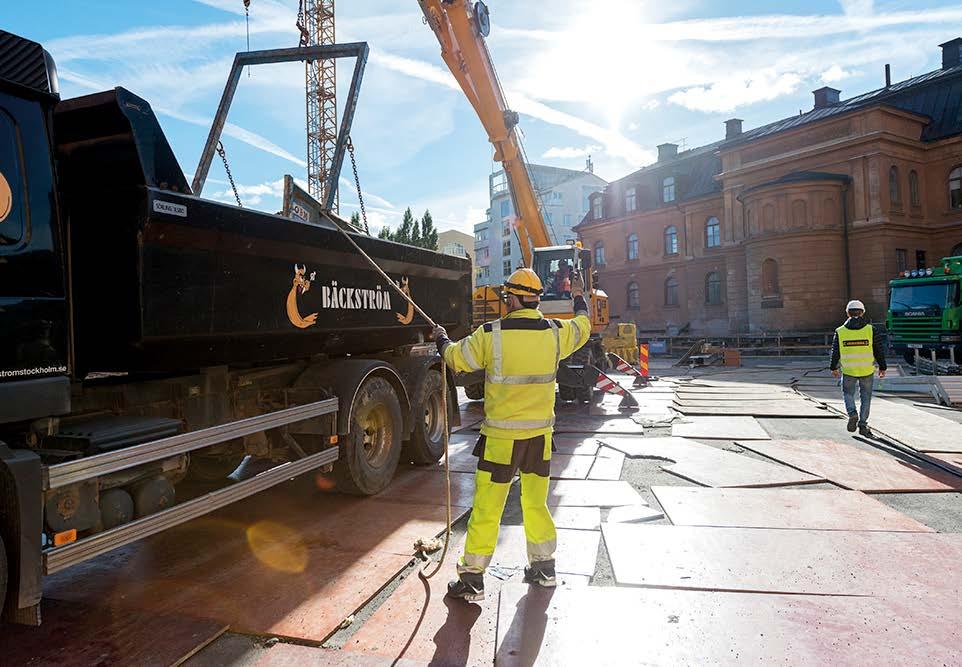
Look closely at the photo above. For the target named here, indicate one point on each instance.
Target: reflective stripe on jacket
(855, 350)
(519, 355)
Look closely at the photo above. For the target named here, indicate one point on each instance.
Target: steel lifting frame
(357, 50)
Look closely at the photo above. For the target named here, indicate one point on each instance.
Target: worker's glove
(881, 374)
(577, 285)
(439, 333)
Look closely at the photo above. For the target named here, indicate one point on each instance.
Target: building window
(630, 200)
(632, 246)
(481, 235)
(600, 253)
(895, 188)
(671, 291)
(671, 240)
(955, 188)
(713, 294)
(634, 296)
(901, 259)
(920, 259)
(597, 207)
(455, 248)
(506, 267)
(567, 220)
(506, 228)
(770, 286)
(505, 208)
(915, 197)
(668, 189)
(506, 248)
(712, 233)
(484, 253)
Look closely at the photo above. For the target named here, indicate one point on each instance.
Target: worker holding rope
(519, 354)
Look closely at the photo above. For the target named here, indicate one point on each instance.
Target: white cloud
(835, 73)
(729, 93)
(613, 141)
(857, 7)
(570, 152)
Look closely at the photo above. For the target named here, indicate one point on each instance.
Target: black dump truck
(153, 342)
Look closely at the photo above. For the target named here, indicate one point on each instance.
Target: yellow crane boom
(461, 27)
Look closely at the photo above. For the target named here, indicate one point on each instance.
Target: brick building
(775, 228)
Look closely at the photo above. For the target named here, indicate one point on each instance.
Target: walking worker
(519, 354)
(856, 349)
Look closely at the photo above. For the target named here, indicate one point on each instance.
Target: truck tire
(909, 356)
(427, 437)
(3, 573)
(475, 391)
(371, 451)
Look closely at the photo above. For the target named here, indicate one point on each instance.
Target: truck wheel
(370, 453)
(475, 391)
(567, 393)
(3, 573)
(909, 356)
(427, 438)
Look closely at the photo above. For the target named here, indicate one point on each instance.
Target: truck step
(59, 558)
(71, 472)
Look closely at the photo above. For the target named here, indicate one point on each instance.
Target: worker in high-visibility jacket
(856, 349)
(519, 355)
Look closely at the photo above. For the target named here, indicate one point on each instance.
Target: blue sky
(612, 78)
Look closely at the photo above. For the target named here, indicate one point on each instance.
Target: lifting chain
(230, 177)
(357, 184)
(305, 35)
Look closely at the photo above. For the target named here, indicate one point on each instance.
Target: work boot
(468, 587)
(865, 431)
(852, 423)
(541, 573)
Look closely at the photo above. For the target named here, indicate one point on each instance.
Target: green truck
(925, 312)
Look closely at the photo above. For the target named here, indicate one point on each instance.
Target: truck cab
(925, 311)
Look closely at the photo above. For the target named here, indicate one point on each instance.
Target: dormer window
(668, 189)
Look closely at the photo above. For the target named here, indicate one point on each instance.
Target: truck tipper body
(153, 342)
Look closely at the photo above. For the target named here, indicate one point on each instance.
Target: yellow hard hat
(524, 282)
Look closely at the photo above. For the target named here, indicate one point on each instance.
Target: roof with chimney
(936, 95)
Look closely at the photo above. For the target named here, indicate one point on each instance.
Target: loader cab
(556, 267)
(33, 307)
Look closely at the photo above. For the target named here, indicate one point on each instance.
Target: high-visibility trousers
(498, 461)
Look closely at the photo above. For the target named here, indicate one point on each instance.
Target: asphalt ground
(940, 511)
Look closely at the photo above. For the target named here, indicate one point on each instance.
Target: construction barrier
(643, 359)
(607, 385)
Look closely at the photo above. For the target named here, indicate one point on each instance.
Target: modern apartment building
(564, 195)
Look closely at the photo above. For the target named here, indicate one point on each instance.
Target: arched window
(600, 253)
(713, 293)
(915, 197)
(957, 251)
(712, 233)
(634, 296)
(770, 286)
(671, 291)
(671, 240)
(632, 246)
(955, 188)
(668, 189)
(895, 188)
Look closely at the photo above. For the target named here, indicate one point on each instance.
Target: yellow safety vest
(519, 355)
(855, 350)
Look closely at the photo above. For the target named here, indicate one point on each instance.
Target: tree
(429, 234)
(385, 233)
(405, 233)
(416, 234)
(356, 220)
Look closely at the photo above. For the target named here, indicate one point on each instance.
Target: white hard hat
(855, 305)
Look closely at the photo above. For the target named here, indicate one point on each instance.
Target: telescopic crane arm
(461, 26)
